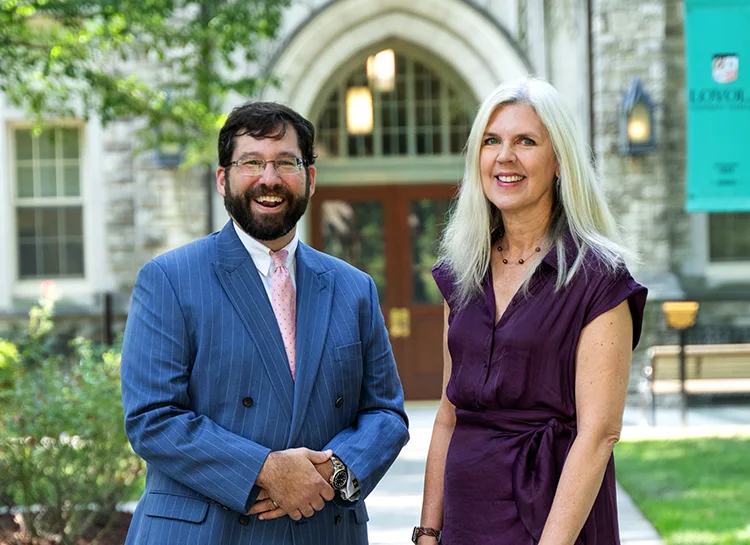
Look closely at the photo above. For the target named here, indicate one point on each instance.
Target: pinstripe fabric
(201, 338)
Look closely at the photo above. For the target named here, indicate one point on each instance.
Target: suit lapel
(314, 297)
(241, 281)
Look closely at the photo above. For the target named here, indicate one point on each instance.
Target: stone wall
(644, 39)
(150, 210)
(118, 176)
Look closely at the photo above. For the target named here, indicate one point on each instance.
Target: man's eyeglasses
(256, 167)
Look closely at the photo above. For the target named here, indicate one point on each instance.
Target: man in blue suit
(257, 377)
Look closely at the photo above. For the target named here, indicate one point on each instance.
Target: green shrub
(65, 461)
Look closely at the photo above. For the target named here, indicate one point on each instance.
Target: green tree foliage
(170, 62)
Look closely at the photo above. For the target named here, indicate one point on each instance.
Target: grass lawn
(694, 491)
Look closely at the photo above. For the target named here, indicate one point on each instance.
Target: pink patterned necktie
(283, 301)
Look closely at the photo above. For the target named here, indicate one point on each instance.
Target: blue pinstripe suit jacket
(208, 393)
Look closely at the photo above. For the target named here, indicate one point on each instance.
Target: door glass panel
(426, 223)
(353, 231)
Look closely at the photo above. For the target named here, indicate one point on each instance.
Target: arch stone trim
(476, 47)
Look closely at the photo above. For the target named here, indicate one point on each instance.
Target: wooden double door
(392, 233)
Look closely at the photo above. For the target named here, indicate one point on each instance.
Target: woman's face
(517, 162)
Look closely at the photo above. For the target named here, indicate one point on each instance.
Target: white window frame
(16, 293)
(700, 264)
(57, 202)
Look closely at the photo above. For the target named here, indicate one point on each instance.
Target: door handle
(394, 319)
(400, 321)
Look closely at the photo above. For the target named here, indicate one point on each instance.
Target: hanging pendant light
(359, 119)
(381, 70)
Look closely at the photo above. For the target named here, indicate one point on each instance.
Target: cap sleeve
(444, 279)
(610, 290)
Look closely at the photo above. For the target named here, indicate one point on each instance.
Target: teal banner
(717, 40)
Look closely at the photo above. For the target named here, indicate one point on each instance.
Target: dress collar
(260, 253)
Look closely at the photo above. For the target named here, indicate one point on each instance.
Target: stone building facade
(130, 210)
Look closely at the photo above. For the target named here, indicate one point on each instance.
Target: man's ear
(221, 174)
(312, 174)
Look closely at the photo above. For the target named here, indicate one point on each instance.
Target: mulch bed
(115, 536)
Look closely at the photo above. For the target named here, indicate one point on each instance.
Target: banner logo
(725, 68)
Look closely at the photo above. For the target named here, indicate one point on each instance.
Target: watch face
(339, 480)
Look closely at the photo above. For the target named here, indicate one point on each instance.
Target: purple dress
(513, 386)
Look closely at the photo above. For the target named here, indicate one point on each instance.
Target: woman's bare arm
(445, 421)
(602, 372)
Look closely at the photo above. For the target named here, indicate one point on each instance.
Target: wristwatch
(420, 531)
(340, 475)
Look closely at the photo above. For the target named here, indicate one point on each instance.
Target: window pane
(47, 145)
(72, 181)
(49, 222)
(48, 179)
(73, 251)
(24, 182)
(50, 258)
(458, 140)
(27, 259)
(70, 143)
(72, 222)
(360, 145)
(23, 145)
(26, 218)
(729, 240)
(422, 144)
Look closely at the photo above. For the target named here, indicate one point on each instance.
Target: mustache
(264, 189)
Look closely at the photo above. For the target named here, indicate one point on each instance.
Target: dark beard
(266, 227)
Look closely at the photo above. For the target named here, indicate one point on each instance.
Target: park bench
(709, 369)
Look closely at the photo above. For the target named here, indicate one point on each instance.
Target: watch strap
(338, 467)
(420, 531)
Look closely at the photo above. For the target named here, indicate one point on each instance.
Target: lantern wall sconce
(637, 121)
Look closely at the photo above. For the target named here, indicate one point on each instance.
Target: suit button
(244, 520)
(247, 402)
(337, 520)
(339, 402)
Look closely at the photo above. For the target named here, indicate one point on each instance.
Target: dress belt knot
(537, 469)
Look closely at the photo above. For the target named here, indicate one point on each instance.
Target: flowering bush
(65, 461)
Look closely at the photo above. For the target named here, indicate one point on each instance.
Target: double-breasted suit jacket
(208, 393)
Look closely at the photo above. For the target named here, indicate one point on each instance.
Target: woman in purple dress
(541, 319)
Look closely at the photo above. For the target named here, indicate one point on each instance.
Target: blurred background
(109, 112)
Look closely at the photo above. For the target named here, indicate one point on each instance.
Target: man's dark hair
(265, 120)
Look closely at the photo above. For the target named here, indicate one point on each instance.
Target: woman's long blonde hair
(579, 204)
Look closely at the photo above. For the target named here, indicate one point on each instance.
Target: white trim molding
(479, 51)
